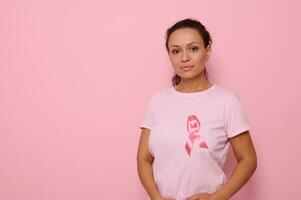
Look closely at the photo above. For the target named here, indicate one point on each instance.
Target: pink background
(75, 77)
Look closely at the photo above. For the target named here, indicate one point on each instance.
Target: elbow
(253, 164)
(253, 159)
(250, 160)
(143, 158)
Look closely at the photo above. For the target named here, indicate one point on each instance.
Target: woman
(188, 128)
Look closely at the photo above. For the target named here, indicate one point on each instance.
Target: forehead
(184, 36)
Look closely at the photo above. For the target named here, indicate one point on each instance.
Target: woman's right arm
(144, 165)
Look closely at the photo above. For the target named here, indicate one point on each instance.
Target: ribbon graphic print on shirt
(194, 135)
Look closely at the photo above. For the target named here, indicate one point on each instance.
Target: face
(187, 52)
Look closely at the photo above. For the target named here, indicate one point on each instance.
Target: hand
(200, 196)
(163, 198)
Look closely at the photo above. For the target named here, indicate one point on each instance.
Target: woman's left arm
(245, 154)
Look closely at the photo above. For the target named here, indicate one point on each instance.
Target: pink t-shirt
(189, 138)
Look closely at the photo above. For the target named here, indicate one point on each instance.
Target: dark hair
(188, 23)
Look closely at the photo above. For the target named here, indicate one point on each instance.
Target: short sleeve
(235, 119)
(147, 121)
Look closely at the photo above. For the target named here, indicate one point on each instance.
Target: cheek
(200, 57)
(174, 60)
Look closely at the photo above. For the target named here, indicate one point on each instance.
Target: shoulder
(226, 97)
(231, 99)
(225, 93)
(159, 95)
(222, 91)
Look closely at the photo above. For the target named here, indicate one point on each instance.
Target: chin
(187, 76)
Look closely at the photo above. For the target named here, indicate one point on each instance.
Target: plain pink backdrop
(75, 77)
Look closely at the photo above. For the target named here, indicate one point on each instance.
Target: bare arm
(247, 163)
(144, 166)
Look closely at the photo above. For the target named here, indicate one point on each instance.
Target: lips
(186, 68)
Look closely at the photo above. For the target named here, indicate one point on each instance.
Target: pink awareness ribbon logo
(194, 135)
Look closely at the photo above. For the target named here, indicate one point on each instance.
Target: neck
(195, 84)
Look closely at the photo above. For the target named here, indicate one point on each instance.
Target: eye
(174, 51)
(194, 49)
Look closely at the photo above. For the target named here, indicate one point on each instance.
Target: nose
(185, 56)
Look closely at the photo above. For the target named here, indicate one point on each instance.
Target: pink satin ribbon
(194, 135)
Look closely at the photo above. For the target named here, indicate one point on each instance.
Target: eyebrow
(178, 45)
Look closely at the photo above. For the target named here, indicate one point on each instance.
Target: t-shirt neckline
(190, 94)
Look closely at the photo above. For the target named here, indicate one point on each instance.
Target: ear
(208, 50)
